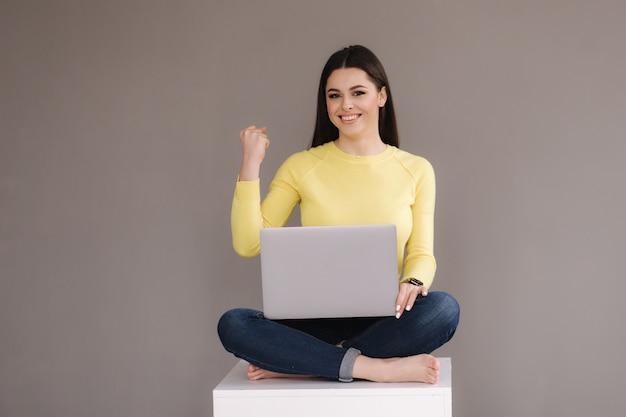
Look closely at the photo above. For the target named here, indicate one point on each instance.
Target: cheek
(330, 107)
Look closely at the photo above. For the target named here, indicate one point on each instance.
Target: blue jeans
(328, 347)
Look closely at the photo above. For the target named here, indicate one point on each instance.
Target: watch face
(415, 282)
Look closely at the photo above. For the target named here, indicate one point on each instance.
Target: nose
(347, 104)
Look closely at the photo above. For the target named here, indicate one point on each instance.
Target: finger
(264, 133)
(401, 301)
(247, 129)
(421, 292)
(411, 299)
(253, 136)
(253, 129)
(257, 134)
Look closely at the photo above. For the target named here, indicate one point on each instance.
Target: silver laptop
(329, 271)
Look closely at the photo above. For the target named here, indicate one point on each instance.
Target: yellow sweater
(336, 188)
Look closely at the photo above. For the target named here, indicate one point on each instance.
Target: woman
(352, 174)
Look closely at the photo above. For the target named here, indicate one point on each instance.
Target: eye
(334, 95)
(358, 93)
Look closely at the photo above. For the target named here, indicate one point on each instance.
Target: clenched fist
(254, 144)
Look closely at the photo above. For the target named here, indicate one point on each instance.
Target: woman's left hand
(407, 295)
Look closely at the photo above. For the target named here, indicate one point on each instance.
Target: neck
(361, 147)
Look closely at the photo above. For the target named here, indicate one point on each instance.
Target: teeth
(348, 118)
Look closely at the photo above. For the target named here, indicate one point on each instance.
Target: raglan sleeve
(419, 259)
(249, 214)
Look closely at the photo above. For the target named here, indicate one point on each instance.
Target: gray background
(119, 150)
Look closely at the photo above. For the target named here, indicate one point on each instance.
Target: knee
(228, 324)
(448, 308)
(234, 323)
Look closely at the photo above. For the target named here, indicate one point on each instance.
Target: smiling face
(353, 102)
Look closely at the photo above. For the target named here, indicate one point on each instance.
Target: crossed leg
(417, 368)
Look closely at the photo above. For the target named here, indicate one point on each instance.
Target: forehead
(346, 78)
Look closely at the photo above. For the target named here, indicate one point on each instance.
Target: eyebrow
(356, 87)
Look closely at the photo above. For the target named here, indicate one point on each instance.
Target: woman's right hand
(254, 144)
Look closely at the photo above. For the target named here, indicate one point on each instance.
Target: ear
(382, 97)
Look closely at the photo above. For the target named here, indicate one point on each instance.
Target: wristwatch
(415, 281)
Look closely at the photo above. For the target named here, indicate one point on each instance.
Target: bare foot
(255, 374)
(418, 368)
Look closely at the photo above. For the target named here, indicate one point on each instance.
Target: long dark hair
(355, 56)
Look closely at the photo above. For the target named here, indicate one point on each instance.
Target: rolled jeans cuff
(347, 364)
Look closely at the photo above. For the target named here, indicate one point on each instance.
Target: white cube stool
(236, 396)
